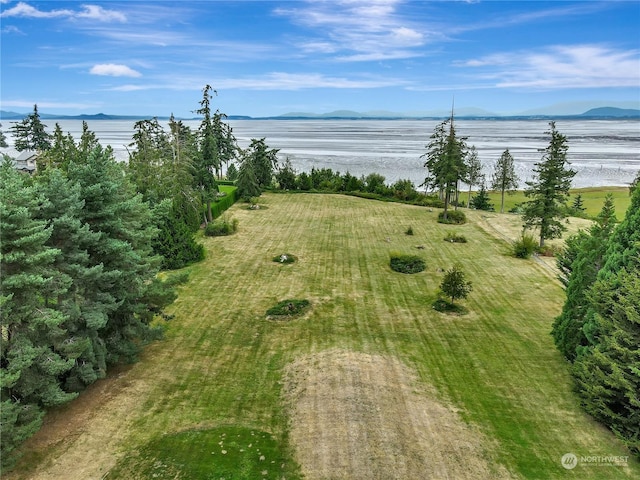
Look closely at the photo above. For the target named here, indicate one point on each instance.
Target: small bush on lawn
(455, 238)
(524, 246)
(289, 308)
(456, 217)
(221, 227)
(409, 230)
(285, 258)
(407, 263)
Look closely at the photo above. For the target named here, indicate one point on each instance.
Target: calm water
(604, 152)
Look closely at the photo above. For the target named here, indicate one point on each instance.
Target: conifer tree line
(82, 241)
(598, 330)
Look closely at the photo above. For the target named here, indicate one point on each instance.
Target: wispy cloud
(47, 104)
(93, 12)
(269, 81)
(358, 30)
(114, 70)
(560, 67)
(12, 29)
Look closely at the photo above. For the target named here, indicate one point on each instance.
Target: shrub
(407, 263)
(221, 227)
(409, 230)
(456, 217)
(285, 258)
(289, 308)
(524, 246)
(455, 238)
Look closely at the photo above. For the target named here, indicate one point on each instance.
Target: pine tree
(577, 207)
(30, 134)
(550, 189)
(208, 161)
(481, 201)
(473, 171)
(504, 176)
(124, 248)
(607, 370)
(446, 153)
(263, 160)
(32, 330)
(3, 139)
(247, 182)
(589, 259)
(79, 303)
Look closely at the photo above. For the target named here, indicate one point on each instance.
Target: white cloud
(269, 81)
(114, 70)
(358, 30)
(93, 12)
(25, 10)
(12, 29)
(96, 12)
(560, 67)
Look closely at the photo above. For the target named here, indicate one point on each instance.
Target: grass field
(593, 199)
(371, 382)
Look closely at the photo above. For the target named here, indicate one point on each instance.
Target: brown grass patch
(360, 416)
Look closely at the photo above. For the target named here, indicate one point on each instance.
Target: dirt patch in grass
(361, 416)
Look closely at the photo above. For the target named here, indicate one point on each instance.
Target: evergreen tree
(286, 176)
(445, 161)
(589, 251)
(79, 303)
(232, 172)
(247, 182)
(124, 249)
(473, 171)
(3, 139)
(482, 201)
(634, 184)
(550, 189)
(31, 360)
(30, 133)
(208, 161)
(264, 161)
(577, 207)
(175, 241)
(607, 370)
(504, 176)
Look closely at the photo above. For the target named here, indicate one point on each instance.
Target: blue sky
(274, 57)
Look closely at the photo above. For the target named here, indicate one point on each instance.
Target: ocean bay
(604, 152)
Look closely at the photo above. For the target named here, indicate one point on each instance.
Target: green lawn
(216, 378)
(593, 199)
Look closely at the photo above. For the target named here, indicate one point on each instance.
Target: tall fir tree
(474, 174)
(32, 358)
(31, 134)
(124, 248)
(590, 250)
(504, 176)
(550, 189)
(445, 161)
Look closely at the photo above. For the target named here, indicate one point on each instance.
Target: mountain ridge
(466, 113)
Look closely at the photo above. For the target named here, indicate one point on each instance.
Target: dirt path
(361, 416)
(91, 427)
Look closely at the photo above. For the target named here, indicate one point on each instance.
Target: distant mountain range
(468, 113)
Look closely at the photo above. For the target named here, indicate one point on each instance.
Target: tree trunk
(469, 199)
(502, 203)
(209, 213)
